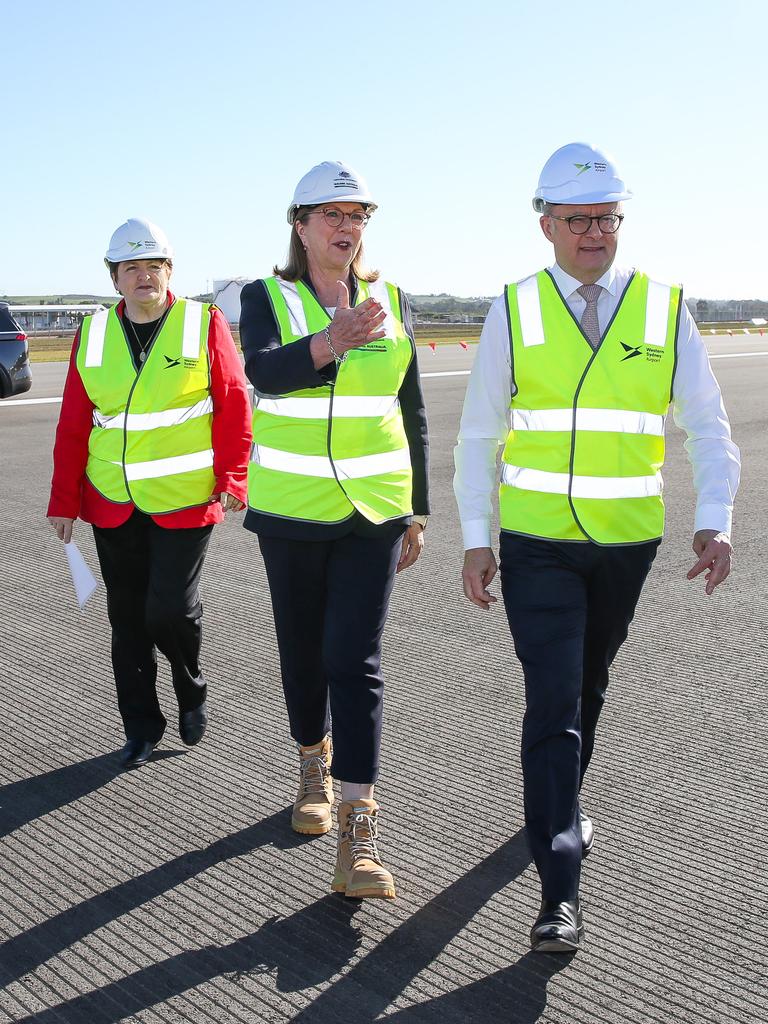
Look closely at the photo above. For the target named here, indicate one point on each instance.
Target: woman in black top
(331, 575)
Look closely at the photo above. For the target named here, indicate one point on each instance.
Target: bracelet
(334, 353)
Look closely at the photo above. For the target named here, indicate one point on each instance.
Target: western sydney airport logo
(631, 350)
(653, 353)
(598, 166)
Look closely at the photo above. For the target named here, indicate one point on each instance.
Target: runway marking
(447, 373)
(29, 401)
(438, 373)
(737, 355)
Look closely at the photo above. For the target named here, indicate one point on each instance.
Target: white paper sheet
(82, 577)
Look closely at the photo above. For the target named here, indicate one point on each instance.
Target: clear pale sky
(202, 117)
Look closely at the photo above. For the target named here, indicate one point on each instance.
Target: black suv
(15, 372)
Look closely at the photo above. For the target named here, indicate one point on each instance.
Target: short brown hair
(296, 265)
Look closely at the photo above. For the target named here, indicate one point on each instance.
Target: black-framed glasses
(335, 218)
(579, 223)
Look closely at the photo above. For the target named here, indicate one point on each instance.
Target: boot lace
(314, 772)
(363, 832)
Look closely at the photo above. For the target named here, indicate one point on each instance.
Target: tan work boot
(312, 811)
(359, 871)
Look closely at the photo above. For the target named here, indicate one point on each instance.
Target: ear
(547, 227)
(299, 229)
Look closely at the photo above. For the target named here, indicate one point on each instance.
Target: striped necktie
(589, 324)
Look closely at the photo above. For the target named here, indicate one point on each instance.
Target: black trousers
(330, 600)
(151, 575)
(569, 607)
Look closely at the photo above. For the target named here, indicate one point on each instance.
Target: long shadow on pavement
(305, 949)
(24, 801)
(516, 995)
(24, 952)
(371, 986)
(315, 943)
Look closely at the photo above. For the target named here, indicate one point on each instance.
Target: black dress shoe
(558, 928)
(192, 725)
(135, 753)
(587, 833)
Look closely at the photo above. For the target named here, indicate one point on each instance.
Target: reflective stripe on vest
(319, 408)
(320, 453)
(621, 421)
(168, 467)
(94, 351)
(586, 442)
(319, 465)
(581, 486)
(152, 420)
(151, 438)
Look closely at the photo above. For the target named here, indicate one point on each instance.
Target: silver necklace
(144, 348)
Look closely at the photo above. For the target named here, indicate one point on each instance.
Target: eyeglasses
(580, 224)
(335, 218)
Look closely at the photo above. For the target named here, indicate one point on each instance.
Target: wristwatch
(420, 520)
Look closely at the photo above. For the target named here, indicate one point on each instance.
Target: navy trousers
(569, 606)
(330, 600)
(151, 575)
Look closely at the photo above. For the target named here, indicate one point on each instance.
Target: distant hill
(450, 307)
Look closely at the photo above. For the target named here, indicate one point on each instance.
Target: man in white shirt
(575, 370)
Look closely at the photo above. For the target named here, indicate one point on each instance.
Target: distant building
(40, 319)
(727, 310)
(226, 295)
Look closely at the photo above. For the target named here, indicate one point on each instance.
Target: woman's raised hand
(356, 326)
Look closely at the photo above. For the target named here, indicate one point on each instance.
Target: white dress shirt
(697, 407)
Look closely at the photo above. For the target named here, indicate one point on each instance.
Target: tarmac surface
(179, 893)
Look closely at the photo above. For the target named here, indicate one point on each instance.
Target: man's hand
(479, 569)
(413, 545)
(714, 551)
(62, 526)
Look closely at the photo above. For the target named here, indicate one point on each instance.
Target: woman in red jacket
(151, 449)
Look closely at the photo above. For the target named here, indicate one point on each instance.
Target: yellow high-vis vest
(320, 453)
(151, 437)
(583, 457)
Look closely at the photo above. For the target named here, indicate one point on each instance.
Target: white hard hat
(138, 239)
(328, 182)
(579, 174)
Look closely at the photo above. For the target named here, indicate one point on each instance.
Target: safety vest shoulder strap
(193, 321)
(96, 329)
(288, 308)
(294, 305)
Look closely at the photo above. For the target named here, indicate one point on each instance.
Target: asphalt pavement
(180, 893)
